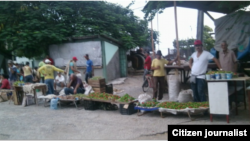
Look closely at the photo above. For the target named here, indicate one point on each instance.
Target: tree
(29, 27)
(208, 41)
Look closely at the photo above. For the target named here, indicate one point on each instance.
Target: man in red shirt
(147, 64)
(5, 82)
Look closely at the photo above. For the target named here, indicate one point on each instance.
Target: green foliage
(208, 41)
(29, 27)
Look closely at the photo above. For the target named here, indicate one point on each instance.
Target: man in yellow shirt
(159, 74)
(48, 71)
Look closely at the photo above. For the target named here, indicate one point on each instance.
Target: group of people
(74, 84)
(198, 64)
(45, 74)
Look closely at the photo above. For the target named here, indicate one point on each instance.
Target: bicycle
(148, 83)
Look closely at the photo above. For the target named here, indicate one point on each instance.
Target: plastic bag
(173, 87)
(88, 89)
(185, 96)
(144, 98)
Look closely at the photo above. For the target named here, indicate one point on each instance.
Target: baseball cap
(159, 52)
(197, 42)
(47, 61)
(74, 58)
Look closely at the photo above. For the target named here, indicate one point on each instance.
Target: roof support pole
(152, 40)
(176, 31)
(200, 25)
(209, 16)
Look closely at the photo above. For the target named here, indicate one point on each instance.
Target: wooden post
(152, 39)
(176, 31)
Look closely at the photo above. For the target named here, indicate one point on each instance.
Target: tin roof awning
(224, 7)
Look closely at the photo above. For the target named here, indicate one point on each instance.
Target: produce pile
(177, 105)
(67, 97)
(219, 72)
(80, 96)
(18, 83)
(96, 78)
(149, 104)
(103, 96)
(126, 98)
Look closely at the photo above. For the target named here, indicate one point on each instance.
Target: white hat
(47, 61)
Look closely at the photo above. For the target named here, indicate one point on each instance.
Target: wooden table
(185, 69)
(42, 88)
(19, 94)
(219, 93)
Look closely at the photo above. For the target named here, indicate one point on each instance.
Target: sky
(186, 18)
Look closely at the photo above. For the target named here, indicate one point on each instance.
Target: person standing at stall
(48, 72)
(227, 58)
(198, 64)
(12, 73)
(159, 74)
(28, 78)
(41, 77)
(147, 64)
(89, 72)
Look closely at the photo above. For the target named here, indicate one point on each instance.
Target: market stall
(219, 92)
(21, 90)
(185, 70)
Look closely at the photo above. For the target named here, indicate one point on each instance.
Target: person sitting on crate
(59, 80)
(77, 85)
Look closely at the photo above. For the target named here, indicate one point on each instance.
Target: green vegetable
(126, 98)
(177, 105)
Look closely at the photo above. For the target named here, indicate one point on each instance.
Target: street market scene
(87, 70)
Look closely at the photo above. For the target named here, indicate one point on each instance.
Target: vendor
(5, 82)
(77, 85)
(159, 74)
(198, 64)
(227, 58)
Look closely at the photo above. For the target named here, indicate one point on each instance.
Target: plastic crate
(90, 105)
(129, 111)
(109, 88)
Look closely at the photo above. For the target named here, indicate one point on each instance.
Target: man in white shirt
(59, 81)
(198, 64)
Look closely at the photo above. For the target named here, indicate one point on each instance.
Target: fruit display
(103, 96)
(148, 104)
(126, 98)
(177, 105)
(18, 83)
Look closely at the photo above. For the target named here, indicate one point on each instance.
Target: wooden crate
(97, 83)
(100, 90)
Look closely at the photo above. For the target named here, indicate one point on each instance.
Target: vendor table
(19, 94)
(185, 69)
(219, 93)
